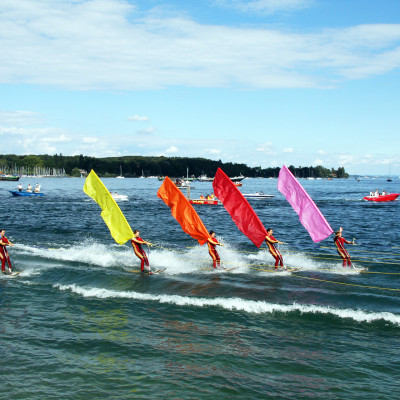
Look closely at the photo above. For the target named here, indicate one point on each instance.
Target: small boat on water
(205, 178)
(258, 195)
(237, 178)
(12, 178)
(214, 202)
(17, 193)
(120, 176)
(183, 184)
(382, 197)
(119, 197)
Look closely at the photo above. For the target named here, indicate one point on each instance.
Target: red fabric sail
(182, 211)
(239, 208)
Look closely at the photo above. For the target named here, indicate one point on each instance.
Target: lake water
(76, 323)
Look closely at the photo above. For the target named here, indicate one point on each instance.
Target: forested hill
(134, 166)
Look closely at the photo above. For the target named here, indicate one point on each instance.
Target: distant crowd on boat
(208, 197)
(381, 197)
(29, 189)
(377, 194)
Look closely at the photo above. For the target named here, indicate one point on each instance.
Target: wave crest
(236, 304)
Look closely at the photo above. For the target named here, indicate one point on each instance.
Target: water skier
(4, 242)
(137, 242)
(339, 242)
(212, 242)
(271, 242)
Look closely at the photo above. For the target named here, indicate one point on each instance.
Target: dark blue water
(78, 324)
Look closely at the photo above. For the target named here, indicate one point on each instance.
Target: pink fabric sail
(239, 208)
(309, 214)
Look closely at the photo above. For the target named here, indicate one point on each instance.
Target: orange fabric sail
(183, 211)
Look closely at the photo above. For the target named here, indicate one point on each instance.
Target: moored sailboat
(120, 176)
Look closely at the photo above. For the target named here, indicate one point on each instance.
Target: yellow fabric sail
(112, 215)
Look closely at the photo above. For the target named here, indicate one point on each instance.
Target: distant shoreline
(137, 166)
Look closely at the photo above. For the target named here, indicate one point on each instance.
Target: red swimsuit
(4, 255)
(274, 251)
(140, 253)
(212, 242)
(339, 242)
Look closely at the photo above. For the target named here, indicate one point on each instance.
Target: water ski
(285, 269)
(271, 268)
(138, 271)
(219, 269)
(14, 273)
(158, 271)
(228, 269)
(358, 269)
(293, 269)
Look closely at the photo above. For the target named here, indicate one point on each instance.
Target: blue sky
(263, 82)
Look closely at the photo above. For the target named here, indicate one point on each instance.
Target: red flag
(183, 211)
(239, 208)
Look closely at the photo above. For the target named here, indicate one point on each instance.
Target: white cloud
(135, 50)
(318, 162)
(14, 131)
(147, 131)
(213, 151)
(56, 139)
(288, 150)
(265, 6)
(20, 118)
(138, 118)
(50, 140)
(172, 149)
(264, 146)
(90, 140)
(345, 159)
(322, 152)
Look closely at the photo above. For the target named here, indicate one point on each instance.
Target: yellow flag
(112, 215)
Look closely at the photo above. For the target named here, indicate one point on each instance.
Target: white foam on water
(235, 304)
(194, 259)
(91, 253)
(306, 263)
(30, 272)
(179, 260)
(27, 282)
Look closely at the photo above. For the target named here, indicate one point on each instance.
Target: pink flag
(309, 214)
(239, 208)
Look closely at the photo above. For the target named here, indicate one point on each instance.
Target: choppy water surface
(78, 324)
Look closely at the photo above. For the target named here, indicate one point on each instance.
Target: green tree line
(134, 166)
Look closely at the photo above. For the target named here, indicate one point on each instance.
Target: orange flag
(182, 211)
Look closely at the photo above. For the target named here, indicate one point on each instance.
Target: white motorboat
(119, 197)
(204, 178)
(258, 195)
(237, 178)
